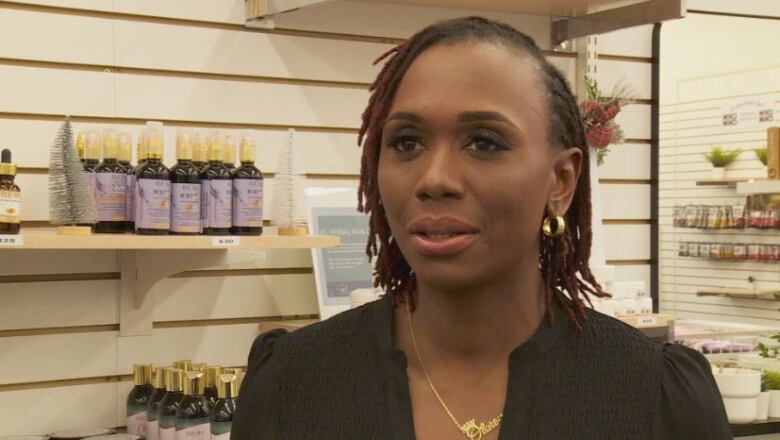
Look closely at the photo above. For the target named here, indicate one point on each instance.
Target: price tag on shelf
(647, 321)
(229, 241)
(11, 240)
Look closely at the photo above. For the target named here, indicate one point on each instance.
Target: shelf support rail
(636, 14)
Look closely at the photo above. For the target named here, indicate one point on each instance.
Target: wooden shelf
(740, 293)
(145, 260)
(728, 182)
(759, 186)
(47, 239)
(575, 18)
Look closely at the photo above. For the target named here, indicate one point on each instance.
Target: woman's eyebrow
(478, 116)
(406, 116)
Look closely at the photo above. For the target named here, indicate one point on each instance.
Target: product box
(773, 152)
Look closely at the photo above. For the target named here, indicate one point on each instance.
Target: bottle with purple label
(91, 161)
(185, 190)
(125, 158)
(247, 192)
(217, 190)
(110, 188)
(200, 151)
(153, 190)
(142, 149)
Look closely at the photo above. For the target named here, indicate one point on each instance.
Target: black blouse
(344, 378)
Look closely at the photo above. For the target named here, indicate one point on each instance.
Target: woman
(475, 176)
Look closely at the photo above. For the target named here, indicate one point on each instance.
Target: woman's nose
(440, 175)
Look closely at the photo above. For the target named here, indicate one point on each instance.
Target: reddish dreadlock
(563, 260)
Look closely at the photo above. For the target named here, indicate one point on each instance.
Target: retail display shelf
(740, 293)
(763, 186)
(48, 239)
(145, 260)
(762, 427)
(727, 182)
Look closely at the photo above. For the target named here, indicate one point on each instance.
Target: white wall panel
(627, 242)
(635, 41)
(38, 412)
(58, 304)
(626, 161)
(625, 202)
(235, 297)
(52, 357)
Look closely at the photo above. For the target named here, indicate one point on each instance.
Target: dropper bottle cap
(93, 145)
(183, 146)
(125, 147)
(199, 148)
(143, 144)
(230, 150)
(229, 385)
(247, 151)
(110, 144)
(81, 145)
(216, 150)
(7, 168)
(212, 375)
(183, 364)
(155, 148)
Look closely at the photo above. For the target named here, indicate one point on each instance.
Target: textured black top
(344, 378)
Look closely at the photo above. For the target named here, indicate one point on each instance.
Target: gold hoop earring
(560, 226)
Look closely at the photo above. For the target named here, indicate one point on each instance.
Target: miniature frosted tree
(289, 209)
(70, 197)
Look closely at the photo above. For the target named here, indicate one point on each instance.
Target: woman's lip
(442, 247)
(441, 225)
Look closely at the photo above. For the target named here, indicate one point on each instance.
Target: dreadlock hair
(563, 261)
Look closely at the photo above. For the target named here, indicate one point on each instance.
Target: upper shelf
(759, 187)
(48, 239)
(577, 18)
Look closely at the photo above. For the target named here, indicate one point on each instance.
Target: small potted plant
(773, 385)
(740, 388)
(761, 156)
(763, 398)
(720, 159)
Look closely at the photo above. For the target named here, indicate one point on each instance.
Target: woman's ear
(565, 175)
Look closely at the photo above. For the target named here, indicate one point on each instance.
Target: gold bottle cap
(194, 383)
(183, 146)
(159, 377)
(227, 385)
(125, 147)
(216, 149)
(198, 366)
(212, 375)
(7, 168)
(199, 148)
(143, 145)
(183, 364)
(142, 374)
(173, 379)
(247, 152)
(110, 144)
(81, 145)
(155, 147)
(230, 150)
(93, 145)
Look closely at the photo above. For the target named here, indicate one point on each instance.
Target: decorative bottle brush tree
(289, 207)
(70, 198)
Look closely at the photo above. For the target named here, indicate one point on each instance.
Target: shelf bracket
(141, 270)
(261, 14)
(636, 14)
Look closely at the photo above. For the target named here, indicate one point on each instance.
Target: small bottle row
(756, 213)
(185, 401)
(767, 253)
(203, 193)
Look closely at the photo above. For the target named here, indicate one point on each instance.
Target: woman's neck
(477, 325)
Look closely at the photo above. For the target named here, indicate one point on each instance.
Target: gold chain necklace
(470, 429)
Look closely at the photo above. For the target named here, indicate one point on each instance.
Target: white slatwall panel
(689, 128)
(217, 76)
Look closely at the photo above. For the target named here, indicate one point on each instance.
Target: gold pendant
(476, 432)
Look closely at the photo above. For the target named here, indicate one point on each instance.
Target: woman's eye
(483, 144)
(407, 144)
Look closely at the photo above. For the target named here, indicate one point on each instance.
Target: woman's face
(466, 169)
